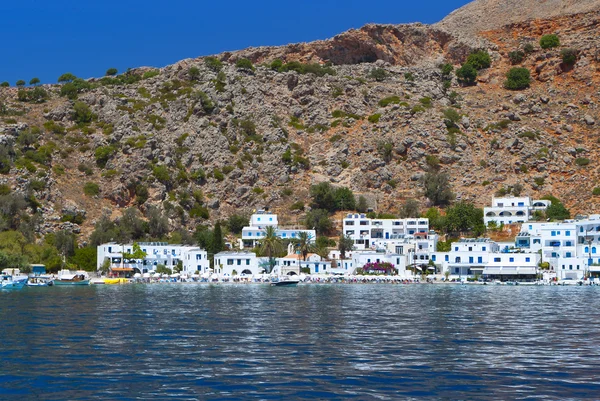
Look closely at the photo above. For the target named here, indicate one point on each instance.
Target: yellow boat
(115, 281)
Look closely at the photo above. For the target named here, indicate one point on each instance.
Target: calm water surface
(359, 342)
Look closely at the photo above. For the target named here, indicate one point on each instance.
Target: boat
(285, 283)
(8, 283)
(39, 281)
(66, 277)
(116, 280)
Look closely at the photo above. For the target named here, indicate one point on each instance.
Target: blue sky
(45, 38)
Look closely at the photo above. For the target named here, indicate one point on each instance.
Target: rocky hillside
(205, 137)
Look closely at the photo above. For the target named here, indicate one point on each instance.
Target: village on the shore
(565, 252)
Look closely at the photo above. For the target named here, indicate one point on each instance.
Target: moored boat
(39, 281)
(8, 283)
(66, 277)
(286, 282)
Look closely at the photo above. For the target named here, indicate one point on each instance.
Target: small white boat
(39, 281)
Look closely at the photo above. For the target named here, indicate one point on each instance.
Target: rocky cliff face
(192, 142)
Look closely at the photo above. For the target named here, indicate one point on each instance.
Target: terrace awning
(122, 269)
(509, 271)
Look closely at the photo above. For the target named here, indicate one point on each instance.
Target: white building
(293, 263)
(361, 259)
(512, 209)
(571, 247)
(259, 221)
(193, 259)
(366, 232)
(233, 263)
(467, 257)
(512, 266)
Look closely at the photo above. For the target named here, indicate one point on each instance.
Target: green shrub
(596, 191)
(516, 56)
(213, 64)
(517, 78)
(227, 169)
(91, 189)
(150, 74)
(479, 60)
(389, 100)
(276, 64)
(54, 127)
(539, 181)
(426, 102)
(528, 48)
(485, 183)
(378, 74)
(467, 74)
(549, 41)
(409, 76)
(374, 118)
(582, 161)
(103, 154)
(298, 205)
(111, 72)
(82, 113)
(529, 135)
(569, 56)
(446, 69)
(4, 84)
(244, 64)
(34, 81)
(315, 68)
(66, 77)
(218, 174)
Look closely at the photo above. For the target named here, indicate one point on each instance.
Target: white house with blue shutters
(512, 209)
(236, 263)
(293, 263)
(466, 258)
(192, 258)
(366, 232)
(571, 247)
(259, 221)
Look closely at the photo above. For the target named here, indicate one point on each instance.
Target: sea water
(363, 342)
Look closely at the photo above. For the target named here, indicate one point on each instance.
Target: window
(230, 261)
(553, 233)
(470, 249)
(250, 234)
(198, 257)
(446, 258)
(239, 262)
(527, 259)
(570, 267)
(258, 219)
(568, 233)
(433, 257)
(457, 260)
(593, 249)
(456, 248)
(349, 223)
(496, 260)
(483, 248)
(568, 243)
(511, 260)
(456, 270)
(270, 219)
(283, 235)
(470, 259)
(479, 259)
(364, 223)
(568, 255)
(247, 262)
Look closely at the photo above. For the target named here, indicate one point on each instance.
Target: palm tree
(270, 245)
(304, 244)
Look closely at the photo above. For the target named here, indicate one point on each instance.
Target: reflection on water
(313, 341)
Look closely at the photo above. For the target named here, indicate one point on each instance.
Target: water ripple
(364, 342)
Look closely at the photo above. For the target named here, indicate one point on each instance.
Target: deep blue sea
(239, 342)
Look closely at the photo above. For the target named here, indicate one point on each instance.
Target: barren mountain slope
(198, 141)
(484, 15)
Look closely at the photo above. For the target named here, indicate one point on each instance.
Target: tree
(479, 60)
(436, 187)
(137, 252)
(111, 72)
(409, 209)
(66, 77)
(4, 84)
(34, 81)
(516, 56)
(549, 41)
(467, 74)
(158, 224)
(270, 245)
(194, 73)
(162, 269)
(465, 217)
(386, 150)
(344, 199)
(345, 244)
(556, 210)
(85, 258)
(569, 56)
(276, 64)
(244, 64)
(362, 205)
(82, 113)
(65, 243)
(378, 74)
(304, 244)
(20, 83)
(217, 244)
(236, 223)
(322, 196)
(318, 219)
(517, 78)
